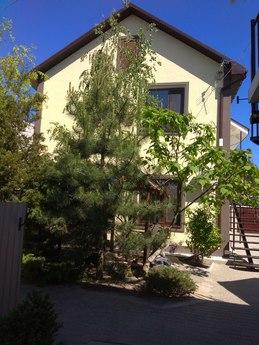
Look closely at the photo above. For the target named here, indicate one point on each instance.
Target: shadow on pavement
(246, 289)
(91, 316)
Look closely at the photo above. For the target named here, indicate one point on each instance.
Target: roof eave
(236, 68)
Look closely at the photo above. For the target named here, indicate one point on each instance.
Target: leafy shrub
(169, 282)
(61, 272)
(158, 239)
(32, 267)
(36, 269)
(133, 243)
(130, 243)
(33, 322)
(203, 236)
(118, 270)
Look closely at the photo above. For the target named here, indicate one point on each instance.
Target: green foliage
(186, 150)
(98, 166)
(23, 160)
(203, 236)
(158, 238)
(32, 268)
(36, 269)
(62, 272)
(33, 322)
(169, 282)
(20, 154)
(132, 242)
(118, 270)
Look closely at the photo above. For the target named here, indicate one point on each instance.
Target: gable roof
(236, 68)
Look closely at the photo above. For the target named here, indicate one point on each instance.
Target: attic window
(127, 48)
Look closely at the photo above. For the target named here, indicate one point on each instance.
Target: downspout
(223, 141)
(226, 69)
(220, 141)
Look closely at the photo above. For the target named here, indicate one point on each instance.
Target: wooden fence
(12, 218)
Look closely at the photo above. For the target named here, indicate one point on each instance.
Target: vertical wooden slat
(22, 216)
(14, 262)
(10, 215)
(4, 254)
(11, 237)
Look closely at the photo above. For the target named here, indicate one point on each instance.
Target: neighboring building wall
(181, 65)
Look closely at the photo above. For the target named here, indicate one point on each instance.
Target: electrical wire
(204, 100)
(8, 5)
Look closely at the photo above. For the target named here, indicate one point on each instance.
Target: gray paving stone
(229, 317)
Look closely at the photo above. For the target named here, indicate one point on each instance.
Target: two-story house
(193, 78)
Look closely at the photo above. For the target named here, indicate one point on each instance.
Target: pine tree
(103, 151)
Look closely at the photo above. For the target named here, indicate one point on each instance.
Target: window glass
(162, 190)
(161, 96)
(172, 98)
(176, 102)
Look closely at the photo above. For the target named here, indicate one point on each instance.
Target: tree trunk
(197, 259)
(159, 251)
(100, 262)
(59, 247)
(100, 265)
(112, 240)
(145, 251)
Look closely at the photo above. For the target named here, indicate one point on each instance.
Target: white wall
(180, 65)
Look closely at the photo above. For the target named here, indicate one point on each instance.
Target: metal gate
(12, 218)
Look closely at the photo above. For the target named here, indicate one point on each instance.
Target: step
(243, 248)
(243, 264)
(246, 256)
(248, 242)
(246, 234)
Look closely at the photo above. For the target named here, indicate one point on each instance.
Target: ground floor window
(163, 189)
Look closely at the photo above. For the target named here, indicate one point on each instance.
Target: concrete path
(228, 316)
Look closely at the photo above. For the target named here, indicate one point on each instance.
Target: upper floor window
(171, 98)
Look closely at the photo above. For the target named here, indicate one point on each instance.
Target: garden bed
(135, 285)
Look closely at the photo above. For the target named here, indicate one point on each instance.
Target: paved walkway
(228, 316)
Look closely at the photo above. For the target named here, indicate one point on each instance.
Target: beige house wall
(181, 65)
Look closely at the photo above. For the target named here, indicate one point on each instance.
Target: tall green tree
(187, 151)
(102, 152)
(20, 152)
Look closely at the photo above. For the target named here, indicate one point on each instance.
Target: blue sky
(51, 24)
